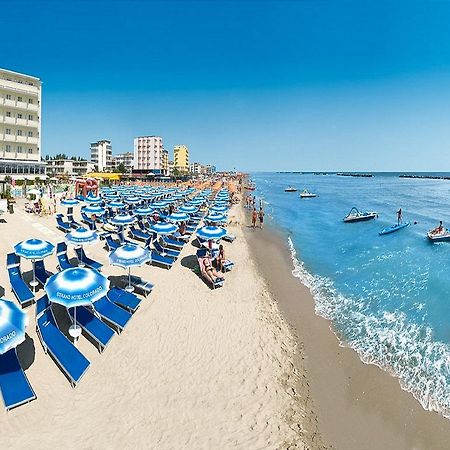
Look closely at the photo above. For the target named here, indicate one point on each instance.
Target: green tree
(121, 168)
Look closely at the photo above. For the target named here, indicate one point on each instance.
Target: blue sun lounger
(138, 234)
(12, 260)
(73, 223)
(87, 220)
(173, 243)
(111, 243)
(14, 385)
(63, 226)
(112, 313)
(61, 254)
(21, 290)
(93, 326)
(159, 260)
(124, 299)
(171, 253)
(141, 286)
(82, 258)
(40, 272)
(71, 361)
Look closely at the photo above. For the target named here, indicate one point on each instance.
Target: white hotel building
(20, 126)
(150, 155)
(101, 155)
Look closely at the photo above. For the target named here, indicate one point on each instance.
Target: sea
(388, 297)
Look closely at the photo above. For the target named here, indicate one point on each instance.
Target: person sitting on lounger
(220, 259)
(439, 229)
(182, 228)
(210, 272)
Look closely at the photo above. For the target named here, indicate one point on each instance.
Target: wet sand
(358, 406)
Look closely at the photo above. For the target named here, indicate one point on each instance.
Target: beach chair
(71, 361)
(173, 243)
(82, 258)
(141, 286)
(63, 259)
(60, 224)
(14, 385)
(112, 313)
(20, 289)
(40, 273)
(159, 260)
(138, 234)
(73, 223)
(12, 260)
(171, 253)
(201, 253)
(86, 219)
(229, 237)
(111, 244)
(124, 299)
(97, 330)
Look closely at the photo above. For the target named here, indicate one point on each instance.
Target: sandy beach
(358, 406)
(195, 368)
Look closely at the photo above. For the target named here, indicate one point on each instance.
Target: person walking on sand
(254, 217)
(399, 216)
(261, 217)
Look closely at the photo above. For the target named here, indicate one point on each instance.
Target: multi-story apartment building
(127, 159)
(210, 169)
(181, 159)
(68, 167)
(101, 155)
(150, 155)
(20, 126)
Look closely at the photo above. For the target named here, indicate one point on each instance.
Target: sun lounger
(138, 234)
(200, 256)
(142, 286)
(12, 260)
(112, 313)
(92, 326)
(40, 272)
(159, 248)
(159, 260)
(21, 290)
(173, 243)
(61, 254)
(124, 299)
(229, 237)
(14, 385)
(63, 226)
(82, 258)
(73, 222)
(71, 361)
(87, 220)
(111, 243)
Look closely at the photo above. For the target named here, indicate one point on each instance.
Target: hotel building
(68, 167)
(101, 155)
(150, 155)
(127, 159)
(181, 159)
(20, 126)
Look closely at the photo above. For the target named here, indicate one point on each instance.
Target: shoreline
(358, 405)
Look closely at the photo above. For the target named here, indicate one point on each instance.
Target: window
(19, 99)
(8, 113)
(19, 132)
(30, 134)
(19, 149)
(8, 96)
(8, 148)
(30, 150)
(19, 116)
(8, 131)
(30, 116)
(30, 101)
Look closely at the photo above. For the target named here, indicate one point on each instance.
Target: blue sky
(296, 85)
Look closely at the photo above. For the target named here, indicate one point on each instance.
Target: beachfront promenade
(194, 368)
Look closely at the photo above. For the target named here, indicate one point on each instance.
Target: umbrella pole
(129, 288)
(33, 283)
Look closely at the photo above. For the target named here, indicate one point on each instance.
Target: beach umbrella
(70, 202)
(219, 209)
(160, 204)
(188, 209)
(93, 200)
(196, 202)
(215, 217)
(34, 250)
(77, 286)
(178, 217)
(163, 229)
(211, 233)
(13, 322)
(128, 256)
(115, 204)
(122, 220)
(91, 210)
(132, 200)
(81, 236)
(144, 211)
(145, 196)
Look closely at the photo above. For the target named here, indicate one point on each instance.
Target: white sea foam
(406, 350)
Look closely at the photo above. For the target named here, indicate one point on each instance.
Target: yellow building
(181, 159)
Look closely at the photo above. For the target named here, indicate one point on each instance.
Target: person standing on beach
(261, 217)
(254, 217)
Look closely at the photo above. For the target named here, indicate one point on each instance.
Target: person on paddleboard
(399, 216)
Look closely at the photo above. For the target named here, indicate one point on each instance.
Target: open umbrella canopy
(160, 204)
(115, 204)
(93, 200)
(219, 209)
(196, 201)
(12, 325)
(76, 286)
(163, 228)
(146, 196)
(211, 233)
(122, 220)
(188, 209)
(215, 217)
(144, 211)
(133, 200)
(91, 210)
(129, 255)
(178, 217)
(70, 202)
(81, 236)
(34, 249)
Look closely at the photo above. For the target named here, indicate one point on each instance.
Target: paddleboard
(393, 228)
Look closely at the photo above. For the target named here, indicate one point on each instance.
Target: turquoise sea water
(388, 297)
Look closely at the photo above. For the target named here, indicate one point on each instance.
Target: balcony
(33, 107)
(21, 122)
(32, 140)
(9, 137)
(7, 102)
(21, 105)
(10, 120)
(21, 139)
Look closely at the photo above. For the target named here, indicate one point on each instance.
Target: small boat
(357, 216)
(306, 194)
(439, 236)
(250, 187)
(290, 189)
(393, 228)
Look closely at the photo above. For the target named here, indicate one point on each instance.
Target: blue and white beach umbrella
(13, 322)
(144, 211)
(146, 196)
(34, 249)
(196, 201)
(215, 217)
(134, 200)
(188, 209)
(160, 204)
(178, 217)
(115, 205)
(122, 220)
(70, 202)
(81, 236)
(93, 200)
(91, 210)
(219, 209)
(128, 256)
(163, 228)
(211, 233)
